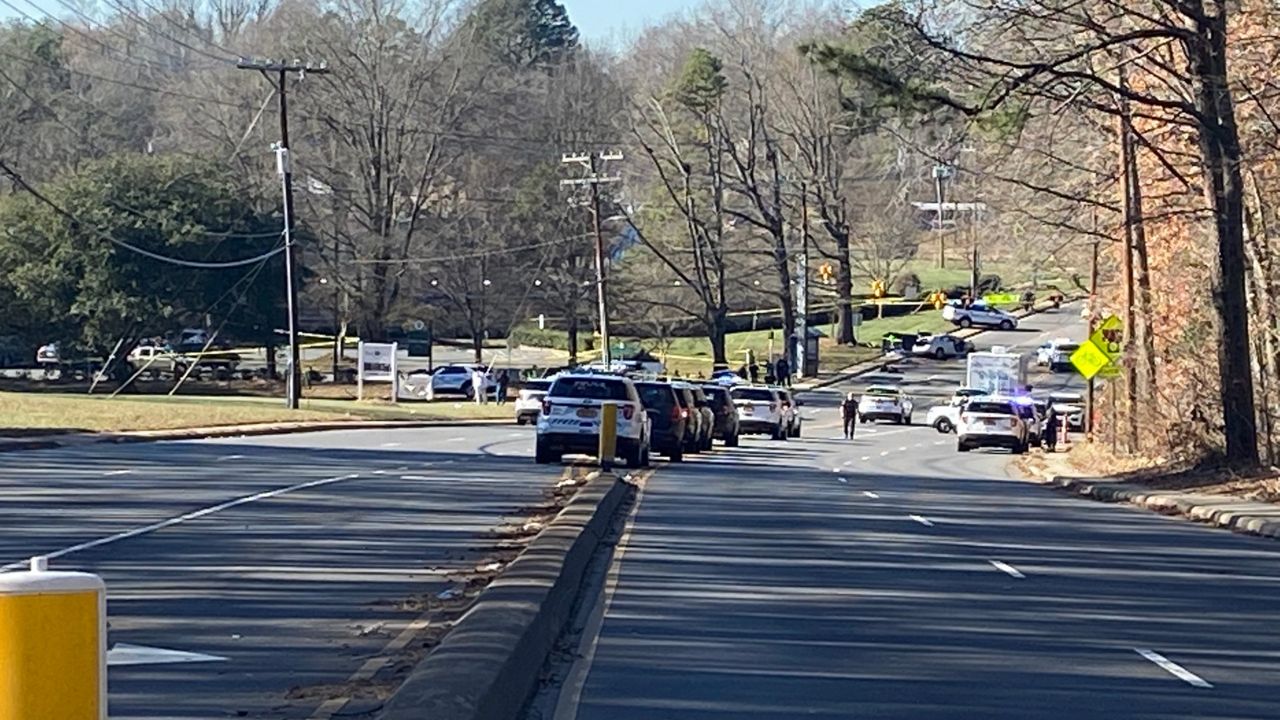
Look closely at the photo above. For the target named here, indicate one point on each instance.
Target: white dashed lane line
(224, 458)
(922, 520)
(871, 495)
(110, 473)
(1007, 569)
(1174, 668)
(865, 458)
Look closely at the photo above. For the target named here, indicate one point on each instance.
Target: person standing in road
(754, 371)
(783, 372)
(502, 388)
(849, 414)
(1051, 422)
(479, 381)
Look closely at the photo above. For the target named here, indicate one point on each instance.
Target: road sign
(1109, 337)
(1089, 359)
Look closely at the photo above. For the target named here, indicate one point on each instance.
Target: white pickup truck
(150, 358)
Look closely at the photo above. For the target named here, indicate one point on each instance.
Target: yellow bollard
(53, 643)
(608, 436)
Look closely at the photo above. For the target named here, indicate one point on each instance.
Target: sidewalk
(1226, 511)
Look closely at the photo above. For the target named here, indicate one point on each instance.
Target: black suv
(670, 422)
(694, 433)
(726, 425)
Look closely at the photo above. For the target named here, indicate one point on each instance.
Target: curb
(52, 442)
(1230, 513)
(861, 368)
(491, 661)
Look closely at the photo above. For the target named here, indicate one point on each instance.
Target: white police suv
(571, 418)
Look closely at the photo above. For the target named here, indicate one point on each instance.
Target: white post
(395, 373)
(360, 371)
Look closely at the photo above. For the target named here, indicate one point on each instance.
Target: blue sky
(597, 20)
(618, 19)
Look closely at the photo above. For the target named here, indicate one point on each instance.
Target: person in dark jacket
(501, 392)
(782, 371)
(849, 414)
(754, 371)
(1051, 423)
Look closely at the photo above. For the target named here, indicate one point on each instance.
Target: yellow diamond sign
(1089, 359)
(1109, 337)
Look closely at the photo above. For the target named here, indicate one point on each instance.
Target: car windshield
(717, 397)
(590, 388)
(882, 392)
(990, 408)
(756, 394)
(683, 396)
(1068, 348)
(537, 385)
(1066, 398)
(657, 396)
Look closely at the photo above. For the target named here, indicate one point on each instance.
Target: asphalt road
(891, 577)
(299, 559)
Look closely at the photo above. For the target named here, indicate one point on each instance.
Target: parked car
(700, 410)
(791, 411)
(48, 354)
(1044, 353)
(944, 418)
(1070, 405)
(978, 315)
(759, 411)
(941, 347)
(669, 420)
(456, 380)
(726, 415)
(693, 429)
(529, 400)
(991, 422)
(570, 420)
(885, 402)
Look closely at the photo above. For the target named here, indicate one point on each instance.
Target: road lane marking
(847, 463)
(178, 520)
(390, 444)
(871, 495)
(865, 458)
(230, 457)
(884, 453)
(515, 434)
(457, 439)
(940, 442)
(1007, 569)
(122, 654)
(575, 682)
(1174, 668)
(844, 481)
(110, 473)
(902, 449)
(922, 520)
(366, 671)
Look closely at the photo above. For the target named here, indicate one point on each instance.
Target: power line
(128, 59)
(187, 30)
(147, 24)
(4, 168)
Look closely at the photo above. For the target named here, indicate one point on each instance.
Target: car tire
(961, 447)
(965, 322)
(731, 441)
(1020, 449)
(1006, 325)
(634, 457)
(940, 354)
(521, 420)
(676, 455)
(944, 426)
(544, 455)
(468, 392)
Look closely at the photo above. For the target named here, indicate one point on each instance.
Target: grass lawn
(25, 412)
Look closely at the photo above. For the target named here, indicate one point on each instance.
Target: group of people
(480, 387)
(778, 371)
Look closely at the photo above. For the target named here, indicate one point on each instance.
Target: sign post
(1100, 355)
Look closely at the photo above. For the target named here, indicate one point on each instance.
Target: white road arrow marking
(1174, 668)
(126, 654)
(1006, 568)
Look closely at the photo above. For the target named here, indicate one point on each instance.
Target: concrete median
(489, 664)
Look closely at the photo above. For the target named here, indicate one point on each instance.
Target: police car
(571, 418)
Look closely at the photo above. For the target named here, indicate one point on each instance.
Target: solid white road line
(203, 512)
(1007, 569)
(366, 671)
(117, 472)
(1174, 668)
(871, 495)
(922, 520)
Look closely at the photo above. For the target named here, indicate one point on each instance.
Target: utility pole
(281, 70)
(1126, 269)
(802, 286)
(1090, 398)
(940, 174)
(593, 180)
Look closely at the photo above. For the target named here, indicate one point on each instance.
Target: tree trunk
(1144, 322)
(571, 337)
(716, 332)
(272, 371)
(787, 294)
(1262, 291)
(1220, 155)
(844, 291)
